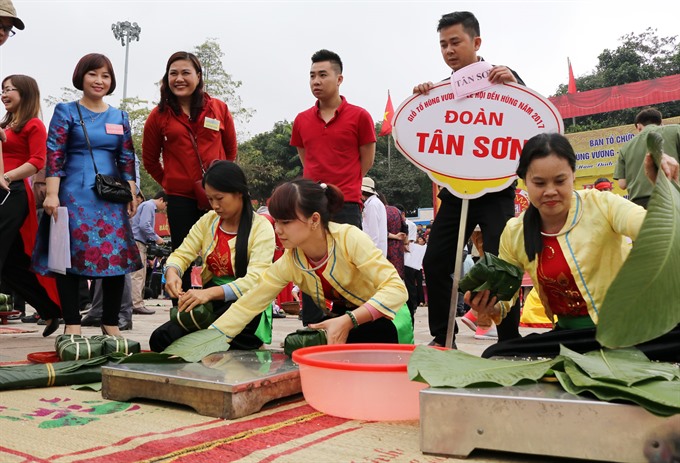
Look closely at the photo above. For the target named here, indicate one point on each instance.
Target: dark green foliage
(398, 179)
(138, 111)
(218, 82)
(268, 159)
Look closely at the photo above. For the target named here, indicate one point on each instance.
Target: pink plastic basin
(360, 381)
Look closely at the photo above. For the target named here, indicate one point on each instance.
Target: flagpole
(389, 162)
(571, 86)
(386, 129)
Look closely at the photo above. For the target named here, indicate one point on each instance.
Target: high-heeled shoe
(51, 326)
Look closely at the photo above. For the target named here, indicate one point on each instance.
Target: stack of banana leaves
(609, 374)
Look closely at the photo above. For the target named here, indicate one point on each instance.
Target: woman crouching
(356, 288)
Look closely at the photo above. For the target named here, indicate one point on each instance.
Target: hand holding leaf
(643, 301)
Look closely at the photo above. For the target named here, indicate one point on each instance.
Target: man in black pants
(336, 144)
(459, 38)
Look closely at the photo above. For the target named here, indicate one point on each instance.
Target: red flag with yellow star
(571, 87)
(387, 118)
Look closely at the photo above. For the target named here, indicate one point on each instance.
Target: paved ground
(15, 347)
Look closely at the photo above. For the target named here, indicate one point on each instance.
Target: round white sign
(472, 145)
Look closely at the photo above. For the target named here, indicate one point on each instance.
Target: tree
(139, 111)
(398, 179)
(639, 57)
(218, 83)
(268, 159)
(67, 94)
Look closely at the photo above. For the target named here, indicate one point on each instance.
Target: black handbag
(107, 187)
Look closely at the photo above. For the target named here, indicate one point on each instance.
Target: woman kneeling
(573, 244)
(236, 245)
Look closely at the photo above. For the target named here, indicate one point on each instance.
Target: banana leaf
(657, 396)
(622, 366)
(501, 278)
(613, 378)
(95, 387)
(194, 346)
(643, 301)
(453, 368)
(52, 374)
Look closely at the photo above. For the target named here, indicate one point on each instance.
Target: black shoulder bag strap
(87, 139)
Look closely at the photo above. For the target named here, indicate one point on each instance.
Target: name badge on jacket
(114, 129)
(212, 124)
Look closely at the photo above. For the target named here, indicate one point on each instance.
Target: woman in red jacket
(188, 130)
(23, 154)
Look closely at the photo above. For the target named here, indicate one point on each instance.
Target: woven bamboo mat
(62, 425)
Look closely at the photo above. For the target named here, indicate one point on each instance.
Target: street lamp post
(125, 32)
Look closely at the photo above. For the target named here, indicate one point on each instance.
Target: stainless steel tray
(224, 385)
(538, 419)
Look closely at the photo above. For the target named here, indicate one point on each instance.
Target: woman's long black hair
(169, 99)
(540, 146)
(227, 177)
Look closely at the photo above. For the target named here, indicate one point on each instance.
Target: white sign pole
(453, 306)
(468, 135)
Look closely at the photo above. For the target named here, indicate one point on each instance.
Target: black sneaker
(31, 318)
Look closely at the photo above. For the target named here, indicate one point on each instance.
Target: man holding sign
(459, 38)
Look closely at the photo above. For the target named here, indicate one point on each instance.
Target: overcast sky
(267, 45)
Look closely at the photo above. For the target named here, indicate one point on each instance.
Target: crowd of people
(358, 286)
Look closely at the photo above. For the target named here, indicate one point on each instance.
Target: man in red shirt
(334, 139)
(336, 144)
